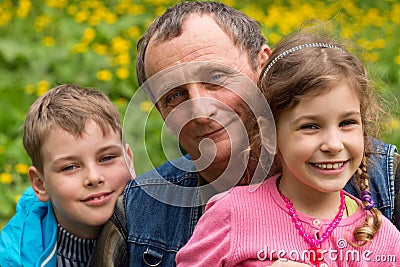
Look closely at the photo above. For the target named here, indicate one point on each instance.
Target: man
(163, 205)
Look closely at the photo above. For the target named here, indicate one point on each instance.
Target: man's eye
(216, 77)
(175, 99)
(175, 96)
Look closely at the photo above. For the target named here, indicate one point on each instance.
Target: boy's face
(82, 176)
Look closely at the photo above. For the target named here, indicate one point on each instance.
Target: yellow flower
(21, 168)
(81, 16)
(371, 57)
(395, 124)
(88, 35)
(5, 16)
(138, 10)
(134, 32)
(43, 87)
(110, 18)
(24, 8)
(80, 48)
(72, 10)
(29, 89)
(397, 59)
(348, 32)
(17, 197)
(48, 41)
(274, 38)
(57, 3)
(120, 102)
(122, 73)
(379, 43)
(94, 20)
(146, 106)
(120, 45)
(123, 59)
(100, 49)
(6, 178)
(104, 75)
(41, 22)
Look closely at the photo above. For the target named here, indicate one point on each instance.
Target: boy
(73, 136)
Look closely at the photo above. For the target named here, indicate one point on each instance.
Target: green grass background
(44, 43)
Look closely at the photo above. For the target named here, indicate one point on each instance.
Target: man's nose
(203, 106)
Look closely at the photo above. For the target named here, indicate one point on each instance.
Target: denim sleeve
(396, 214)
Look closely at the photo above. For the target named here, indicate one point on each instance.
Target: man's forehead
(201, 39)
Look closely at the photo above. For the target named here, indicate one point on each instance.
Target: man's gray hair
(244, 31)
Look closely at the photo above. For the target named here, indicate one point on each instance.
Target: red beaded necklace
(314, 242)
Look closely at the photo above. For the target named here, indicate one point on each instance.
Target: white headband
(294, 49)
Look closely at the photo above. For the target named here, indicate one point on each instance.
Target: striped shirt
(73, 251)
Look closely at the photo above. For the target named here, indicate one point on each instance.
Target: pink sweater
(240, 228)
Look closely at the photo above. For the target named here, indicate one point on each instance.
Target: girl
(324, 110)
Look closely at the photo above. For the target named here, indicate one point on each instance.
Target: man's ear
(129, 160)
(263, 56)
(37, 183)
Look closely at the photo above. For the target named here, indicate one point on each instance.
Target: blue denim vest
(156, 231)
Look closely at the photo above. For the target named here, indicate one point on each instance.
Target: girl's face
(320, 141)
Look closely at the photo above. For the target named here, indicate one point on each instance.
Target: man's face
(205, 104)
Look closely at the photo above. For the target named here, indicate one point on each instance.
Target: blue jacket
(153, 232)
(30, 237)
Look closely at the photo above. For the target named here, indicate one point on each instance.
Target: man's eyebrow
(212, 67)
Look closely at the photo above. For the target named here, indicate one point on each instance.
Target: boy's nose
(94, 178)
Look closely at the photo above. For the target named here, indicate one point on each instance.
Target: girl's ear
(37, 183)
(129, 160)
(267, 134)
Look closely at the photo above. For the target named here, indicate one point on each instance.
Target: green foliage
(93, 43)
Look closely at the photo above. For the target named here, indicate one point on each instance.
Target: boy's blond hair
(68, 107)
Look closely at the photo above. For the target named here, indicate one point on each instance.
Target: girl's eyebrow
(315, 116)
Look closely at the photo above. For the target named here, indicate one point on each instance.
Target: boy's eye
(69, 168)
(107, 158)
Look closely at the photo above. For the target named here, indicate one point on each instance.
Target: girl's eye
(347, 123)
(309, 127)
